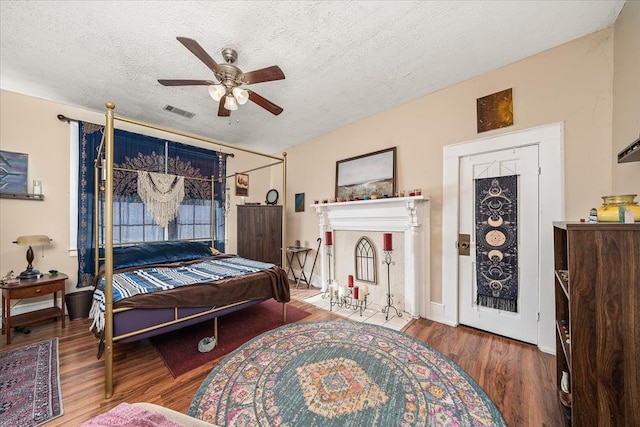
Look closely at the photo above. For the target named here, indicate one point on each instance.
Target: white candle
(331, 291)
(37, 187)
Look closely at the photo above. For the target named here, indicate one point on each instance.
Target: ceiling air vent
(179, 111)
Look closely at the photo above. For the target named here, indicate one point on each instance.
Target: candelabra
(352, 298)
(328, 242)
(387, 260)
(329, 280)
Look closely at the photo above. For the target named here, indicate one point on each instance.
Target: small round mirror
(272, 197)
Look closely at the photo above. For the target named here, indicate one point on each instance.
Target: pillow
(158, 253)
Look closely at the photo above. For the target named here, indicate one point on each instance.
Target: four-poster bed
(220, 288)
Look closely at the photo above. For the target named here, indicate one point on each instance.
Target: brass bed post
(283, 244)
(213, 211)
(108, 254)
(96, 228)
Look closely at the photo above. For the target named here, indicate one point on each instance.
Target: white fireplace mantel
(407, 215)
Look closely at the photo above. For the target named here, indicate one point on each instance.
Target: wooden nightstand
(31, 288)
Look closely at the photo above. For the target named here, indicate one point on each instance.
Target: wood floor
(516, 376)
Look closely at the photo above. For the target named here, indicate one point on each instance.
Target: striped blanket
(155, 279)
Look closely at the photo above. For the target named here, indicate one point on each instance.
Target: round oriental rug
(339, 373)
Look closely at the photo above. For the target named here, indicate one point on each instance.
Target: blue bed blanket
(153, 279)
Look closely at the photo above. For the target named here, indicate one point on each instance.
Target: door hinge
(538, 317)
(539, 170)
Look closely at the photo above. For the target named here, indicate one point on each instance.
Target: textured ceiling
(343, 61)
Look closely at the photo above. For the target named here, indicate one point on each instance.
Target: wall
(30, 126)
(571, 83)
(626, 96)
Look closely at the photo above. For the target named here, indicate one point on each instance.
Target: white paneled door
(523, 162)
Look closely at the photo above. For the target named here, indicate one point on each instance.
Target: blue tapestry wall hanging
(496, 204)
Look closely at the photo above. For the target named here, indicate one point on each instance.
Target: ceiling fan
(230, 78)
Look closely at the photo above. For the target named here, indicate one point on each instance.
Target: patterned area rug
(338, 373)
(179, 349)
(30, 385)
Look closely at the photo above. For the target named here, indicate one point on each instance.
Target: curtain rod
(64, 118)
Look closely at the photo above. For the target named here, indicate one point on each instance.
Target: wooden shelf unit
(597, 292)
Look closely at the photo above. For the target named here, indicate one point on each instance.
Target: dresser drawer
(34, 291)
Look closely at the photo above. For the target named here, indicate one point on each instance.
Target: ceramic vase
(609, 211)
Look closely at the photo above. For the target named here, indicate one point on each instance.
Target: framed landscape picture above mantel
(366, 176)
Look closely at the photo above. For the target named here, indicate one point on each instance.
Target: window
(365, 261)
(193, 211)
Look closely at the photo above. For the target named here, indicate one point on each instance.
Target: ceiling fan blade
(198, 51)
(223, 112)
(263, 75)
(165, 82)
(264, 103)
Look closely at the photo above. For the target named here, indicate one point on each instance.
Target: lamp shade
(230, 103)
(241, 95)
(217, 92)
(34, 240)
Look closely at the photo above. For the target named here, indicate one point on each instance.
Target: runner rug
(30, 385)
(340, 373)
(179, 349)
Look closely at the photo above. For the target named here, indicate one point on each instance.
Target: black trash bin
(78, 304)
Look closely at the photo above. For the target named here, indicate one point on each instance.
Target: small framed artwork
(363, 176)
(242, 184)
(495, 111)
(300, 202)
(13, 172)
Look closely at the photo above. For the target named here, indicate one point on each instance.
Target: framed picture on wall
(370, 174)
(13, 172)
(242, 184)
(299, 202)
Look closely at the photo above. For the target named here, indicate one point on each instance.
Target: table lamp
(34, 240)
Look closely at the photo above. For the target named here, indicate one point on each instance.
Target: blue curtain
(90, 137)
(140, 152)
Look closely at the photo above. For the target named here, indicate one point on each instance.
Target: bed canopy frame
(108, 151)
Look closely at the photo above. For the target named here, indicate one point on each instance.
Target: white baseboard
(436, 313)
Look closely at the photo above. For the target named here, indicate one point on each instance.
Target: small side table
(297, 252)
(44, 285)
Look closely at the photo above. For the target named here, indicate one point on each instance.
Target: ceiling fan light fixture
(217, 92)
(230, 103)
(241, 95)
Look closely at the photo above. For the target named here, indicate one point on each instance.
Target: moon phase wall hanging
(497, 242)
